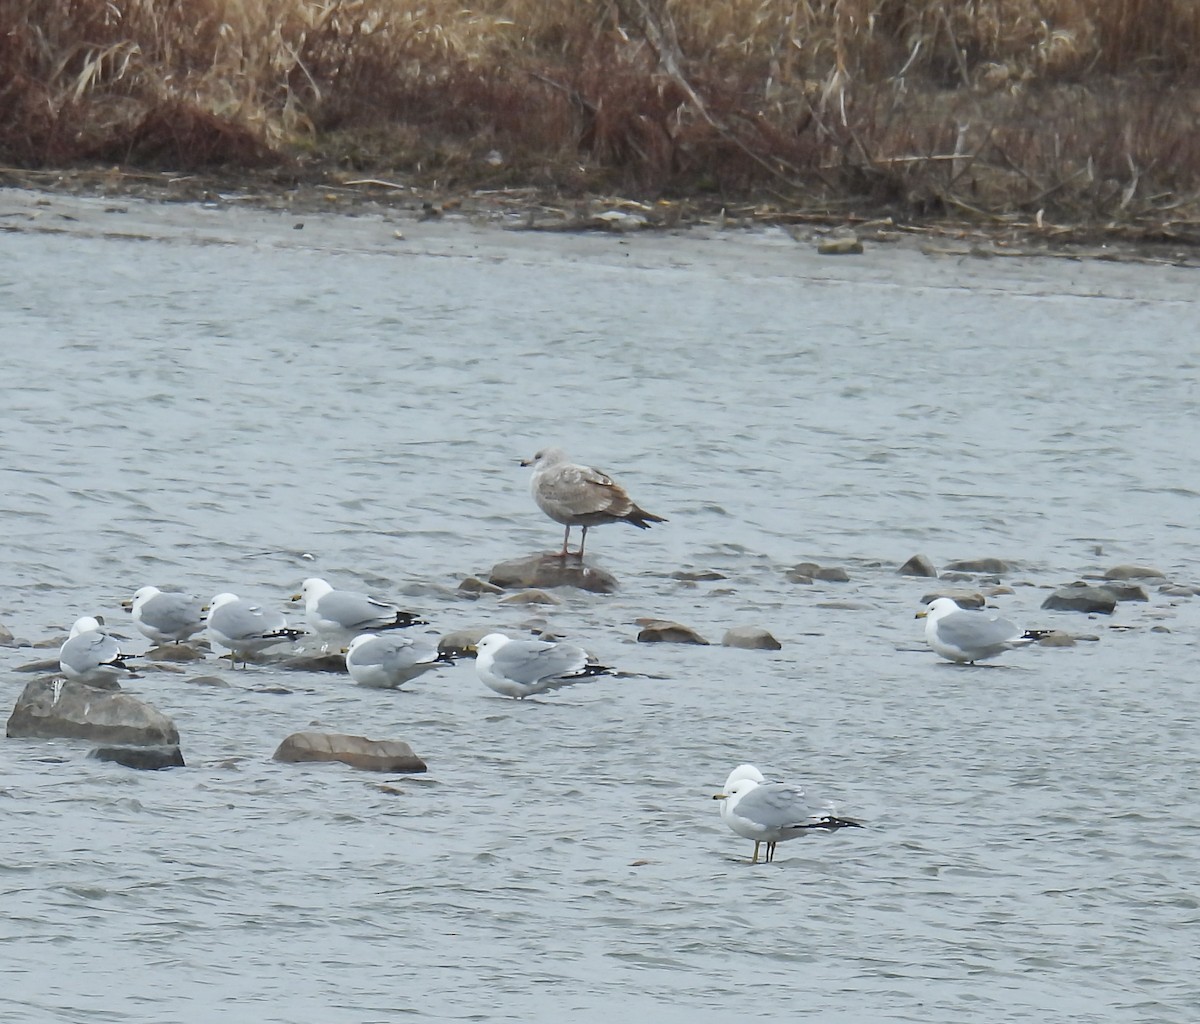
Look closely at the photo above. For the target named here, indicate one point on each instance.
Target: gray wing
(394, 653)
(780, 804)
(970, 631)
(530, 661)
(172, 613)
(580, 491)
(241, 620)
(354, 611)
(86, 651)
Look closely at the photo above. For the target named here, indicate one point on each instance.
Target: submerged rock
(697, 575)
(990, 565)
(551, 570)
(806, 572)
(918, 565)
(1134, 572)
(62, 708)
(753, 638)
(149, 759)
(1082, 597)
(530, 597)
(356, 751)
(473, 587)
(662, 631)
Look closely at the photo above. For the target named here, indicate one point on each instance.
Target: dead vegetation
(1074, 109)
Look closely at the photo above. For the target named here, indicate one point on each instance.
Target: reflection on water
(241, 416)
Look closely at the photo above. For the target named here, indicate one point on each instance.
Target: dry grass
(1080, 106)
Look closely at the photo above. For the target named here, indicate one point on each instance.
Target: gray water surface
(219, 401)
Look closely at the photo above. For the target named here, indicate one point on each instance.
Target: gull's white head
(743, 771)
(489, 644)
(545, 458)
(144, 594)
(938, 608)
(221, 599)
(87, 624)
(732, 794)
(312, 590)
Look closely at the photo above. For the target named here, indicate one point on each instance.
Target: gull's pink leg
(566, 537)
(582, 541)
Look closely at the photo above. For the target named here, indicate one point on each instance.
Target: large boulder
(545, 571)
(60, 707)
(356, 751)
(1082, 597)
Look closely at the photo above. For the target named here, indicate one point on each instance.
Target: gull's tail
(640, 518)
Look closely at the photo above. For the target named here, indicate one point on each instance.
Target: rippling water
(221, 401)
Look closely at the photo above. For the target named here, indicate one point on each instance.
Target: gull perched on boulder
(165, 616)
(90, 655)
(576, 495)
(245, 627)
(966, 637)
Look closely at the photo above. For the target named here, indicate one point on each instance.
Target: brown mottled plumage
(580, 496)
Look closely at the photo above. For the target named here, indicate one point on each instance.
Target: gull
(245, 627)
(577, 495)
(967, 637)
(773, 812)
(386, 662)
(742, 771)
(341, 614)
(165, 617)
(521, 668)
(90, 655)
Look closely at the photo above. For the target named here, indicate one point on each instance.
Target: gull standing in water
(90, 655)
(773, 812)
(245, 627)
(577, 495)
(339, 615)
(967, 637)
(521, 668)
(165, 617)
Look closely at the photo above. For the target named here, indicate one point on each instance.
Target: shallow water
(221, 401)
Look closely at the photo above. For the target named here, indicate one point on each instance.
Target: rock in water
(661, 631)
(543, 571)
(918, 565)
(1082, 597)
(750, 637)
(63, 708)
(1134, 572)
(150, 759)
(356, 751)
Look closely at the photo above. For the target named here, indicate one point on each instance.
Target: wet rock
(530, 597)
(840, 246)
(918, 565)
(1134, 572)
(992, 565)
(1081, 597)
(1179, 590)
(176, 653)
(809, 571)
(753, 638)
(962, 598)
(474, 587)
(149, 759)
(551, 571)
(44, 666)
(1160, 628)
(6, 637)
(356, 751)
(662, 631)
(792, 576)
(329, 661)
(1057, 638)
(1124, 591)
(57, 707)
(698, 575)
(214, 681)
(463, 641)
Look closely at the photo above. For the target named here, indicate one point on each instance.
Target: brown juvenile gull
(577, 495)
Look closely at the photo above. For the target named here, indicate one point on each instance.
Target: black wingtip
(1036, 634)
(403, 620)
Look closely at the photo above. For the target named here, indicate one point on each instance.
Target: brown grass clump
(1083, 107)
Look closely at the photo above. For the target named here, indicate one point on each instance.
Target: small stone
(64, 708)
(992, 565)
(1179, 590)
(918, 565)
(698, 575)
(356, 751)
(848, 246)
(530, 597)
(962, 598)
(753, 638)
(474, 587)
(551, 570)
(315, 662)
(662, 631)
(1159, 629)
(174, 653)
(1134, 572)
(1057, 638)
(1082, 597)
(463, 641)
(144, 758)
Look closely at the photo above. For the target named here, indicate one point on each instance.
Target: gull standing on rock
(339, 615)
(521, 668)
(245, 627)
(166, 617)
(388, 662)
(773, 812)
(577, 495)
(90, 655)
(967, 637)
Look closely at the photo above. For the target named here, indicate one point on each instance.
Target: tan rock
(551, 570)
(918, 565)
(753, 638)
(530, 597)
(662, 631)
(356, 751)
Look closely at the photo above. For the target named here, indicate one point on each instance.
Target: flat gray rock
(62, 708)
(990, 565)
(806, 572)
(545, 571)
(356, 751)
(1082, 597)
